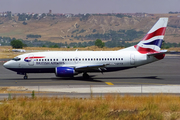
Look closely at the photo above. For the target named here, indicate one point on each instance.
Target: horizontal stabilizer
(157, 53)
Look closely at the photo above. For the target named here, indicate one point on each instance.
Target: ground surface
(165, 71)
(158, 77)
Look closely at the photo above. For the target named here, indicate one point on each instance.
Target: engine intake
(65, 72)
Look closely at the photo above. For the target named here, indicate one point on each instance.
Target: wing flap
(91, 67)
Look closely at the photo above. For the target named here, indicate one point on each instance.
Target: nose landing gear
(25, 76)
(22, 73)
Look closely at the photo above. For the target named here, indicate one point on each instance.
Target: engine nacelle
(65, 72)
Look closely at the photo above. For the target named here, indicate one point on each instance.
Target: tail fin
(152, 42)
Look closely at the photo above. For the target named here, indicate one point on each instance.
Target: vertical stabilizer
(152, 42)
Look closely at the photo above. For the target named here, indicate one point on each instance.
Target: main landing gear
(25, 76)
(85, 75)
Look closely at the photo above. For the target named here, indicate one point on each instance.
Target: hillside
(56, 29)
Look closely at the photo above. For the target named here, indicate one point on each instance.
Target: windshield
(16, 59)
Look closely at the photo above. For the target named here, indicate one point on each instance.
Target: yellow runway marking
(109, 83)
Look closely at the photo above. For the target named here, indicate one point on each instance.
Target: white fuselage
(46, 62)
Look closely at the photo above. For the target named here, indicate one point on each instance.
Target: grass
(174, 49)
(111, 107)
(16, 89)
(6, 51)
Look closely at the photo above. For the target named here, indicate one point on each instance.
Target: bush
(16, 44)
(24, 23)
(99, 43)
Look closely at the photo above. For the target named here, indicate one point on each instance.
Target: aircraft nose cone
(6, 65)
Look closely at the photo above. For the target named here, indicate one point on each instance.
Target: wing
(98, 67)
(87, 67)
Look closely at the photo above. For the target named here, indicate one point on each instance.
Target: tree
(99, 43)
(43, 15)
(24, 45)
(16, 44)
(44, 46)
(35, 16)
(56, 46)
(24, 23)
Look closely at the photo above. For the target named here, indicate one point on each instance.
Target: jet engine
(64, 72)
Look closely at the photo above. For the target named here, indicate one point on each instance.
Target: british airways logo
(152, 42)
(28, 59)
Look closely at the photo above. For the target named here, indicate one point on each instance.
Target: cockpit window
(16, 59)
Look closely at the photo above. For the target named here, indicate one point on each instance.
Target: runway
(163, 72)
(159, 77)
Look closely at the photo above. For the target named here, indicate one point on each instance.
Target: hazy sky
(90, 6)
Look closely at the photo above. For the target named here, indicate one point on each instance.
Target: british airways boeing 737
(70, 63)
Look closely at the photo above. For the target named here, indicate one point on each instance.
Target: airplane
(71, 63)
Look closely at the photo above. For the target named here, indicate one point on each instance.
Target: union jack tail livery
(152, 41)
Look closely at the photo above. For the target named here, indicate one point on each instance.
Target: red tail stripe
(160, 31)
(144, 50)
(33, 57)
(149, 50)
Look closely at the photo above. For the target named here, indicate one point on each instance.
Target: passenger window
(36, 59)
(108, 59)
(57, 60)
(102, 59)
(121, 58)
(54, 59)
(105, 59)
(79, 59)
(62, 59)
(51, 59)
(91, 59)
(88, 59)
(39, 59)
(99, 58)
(42, 59)
(70, 59)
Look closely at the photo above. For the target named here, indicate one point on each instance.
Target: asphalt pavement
(163, 72)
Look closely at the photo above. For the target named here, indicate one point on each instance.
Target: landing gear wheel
(85, 76)
(25, 76)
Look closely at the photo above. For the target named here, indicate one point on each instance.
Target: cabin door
(132, 59)
(31, 60)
